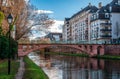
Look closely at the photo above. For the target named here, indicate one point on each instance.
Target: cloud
(26, 0)
(57, 26)
(44, 11)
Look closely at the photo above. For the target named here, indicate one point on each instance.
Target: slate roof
(91, 8)
(106, 9)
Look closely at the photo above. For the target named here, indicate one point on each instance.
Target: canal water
(70, 67)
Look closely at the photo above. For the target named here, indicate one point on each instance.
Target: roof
(91, 8)
(67, 19)
(106, 8)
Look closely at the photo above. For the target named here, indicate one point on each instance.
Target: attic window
(105, 10)
(106, 15)
(97, 15)
(110, 8)
(118, 2)
(94, 16)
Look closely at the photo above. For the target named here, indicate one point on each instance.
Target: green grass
(32, 71)
(4, 69)
(80, 55)
(113, 57)
(68, 54)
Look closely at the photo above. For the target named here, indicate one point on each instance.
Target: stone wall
(112, 49)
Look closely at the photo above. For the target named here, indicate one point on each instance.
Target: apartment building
(54, 37)
(105, 25)
(94, 24)
(66, 30)
(77, 27)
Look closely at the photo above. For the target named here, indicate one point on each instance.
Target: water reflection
(68, 67)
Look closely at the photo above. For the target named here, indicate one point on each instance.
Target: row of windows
(96, 16)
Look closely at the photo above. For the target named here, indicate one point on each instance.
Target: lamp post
(10, 19)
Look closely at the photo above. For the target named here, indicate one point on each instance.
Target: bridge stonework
(92, 50)
(112, 49)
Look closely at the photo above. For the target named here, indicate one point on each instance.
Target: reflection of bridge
(92, 50)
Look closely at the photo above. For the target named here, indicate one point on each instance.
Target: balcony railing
(106, 36)
(106, 24)
(104, 29)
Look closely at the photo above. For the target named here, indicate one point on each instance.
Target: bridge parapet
(92, 50)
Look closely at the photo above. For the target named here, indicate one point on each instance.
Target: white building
(66, 30)
(105, 25)
(94, 25)
(78, 26)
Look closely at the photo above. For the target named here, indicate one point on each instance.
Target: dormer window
(97, 15)
(91, 17)
(118, 2)
(106, 15)
(105, 10)
(110, 8)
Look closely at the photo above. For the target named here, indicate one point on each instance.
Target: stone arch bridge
(92, 50)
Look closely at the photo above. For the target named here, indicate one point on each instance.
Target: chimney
(100, 5)
(90, 5)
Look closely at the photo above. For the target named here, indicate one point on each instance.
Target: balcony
(105, 29)
(104, 24)
(106, 36)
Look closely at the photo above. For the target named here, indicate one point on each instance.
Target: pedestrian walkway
(21, 70)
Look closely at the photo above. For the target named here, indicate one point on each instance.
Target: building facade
(94, 25)
(54, 37)
(105, 24)
(76, 29)
(66, 30)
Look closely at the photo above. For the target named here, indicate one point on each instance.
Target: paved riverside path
(21, 69)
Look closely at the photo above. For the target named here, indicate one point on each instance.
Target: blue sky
(65, 8)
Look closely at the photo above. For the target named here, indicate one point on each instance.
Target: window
(91, 17)
(106, 15)
(97, 15)
(118, 2)
(94, 16)
(110, 8)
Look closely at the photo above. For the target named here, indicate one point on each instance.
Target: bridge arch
(92, 50)
(35, 48)
(99, 50)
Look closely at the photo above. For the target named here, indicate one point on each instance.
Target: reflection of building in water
(113, 69)
(83, 68)
(83, 74)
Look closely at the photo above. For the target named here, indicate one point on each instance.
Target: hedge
(4, 47)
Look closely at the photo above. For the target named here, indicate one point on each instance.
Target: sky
(60, 9)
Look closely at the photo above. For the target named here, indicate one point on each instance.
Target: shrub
(4, 47)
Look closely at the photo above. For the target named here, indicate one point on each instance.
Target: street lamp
(10, 19)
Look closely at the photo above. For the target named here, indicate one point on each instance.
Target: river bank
(32, 71)
(58, 66)
(111, 57)
(4, 69)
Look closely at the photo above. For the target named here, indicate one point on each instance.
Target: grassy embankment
(32, 71)
(113, 57)
(4, 69)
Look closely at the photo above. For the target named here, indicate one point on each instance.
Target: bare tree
(31, 19)
(26, 17)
